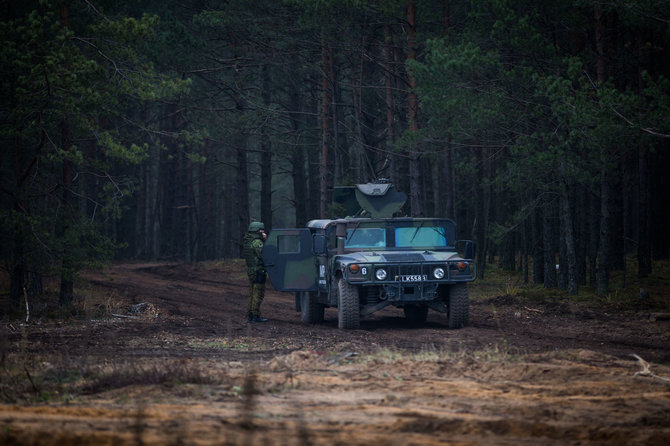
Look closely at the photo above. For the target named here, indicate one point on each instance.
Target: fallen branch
(125, 316)
(645, 369)
(533, 309)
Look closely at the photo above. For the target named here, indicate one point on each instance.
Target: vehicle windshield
(423, 236)
(365, 238)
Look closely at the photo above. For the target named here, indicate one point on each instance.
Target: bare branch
(645, 130)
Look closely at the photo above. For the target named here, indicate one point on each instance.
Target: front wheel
(348, 306)
(311, 310)
(459, 305)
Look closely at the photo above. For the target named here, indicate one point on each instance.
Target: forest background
(158, 130)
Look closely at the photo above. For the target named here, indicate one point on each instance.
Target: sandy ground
(187, 369)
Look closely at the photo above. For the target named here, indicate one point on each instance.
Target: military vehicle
(364, 263)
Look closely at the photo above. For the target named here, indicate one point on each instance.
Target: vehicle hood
(398, 256)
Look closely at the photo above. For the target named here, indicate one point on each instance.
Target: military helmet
(256, 226)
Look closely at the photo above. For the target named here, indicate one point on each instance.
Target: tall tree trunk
(644, 200)
(388, 87)
(66, 295)
(526, 252)
(189, 208)
(266, 185)
(605, 235)
(168, 182)
(313, 164)
(325, 119)
(538, 247)
(339, 139)
(298, 160)
(449, 180)
(17, 278)
(568, 235)
(447, 154)
(581, 237)
(605, 225)
(594, 239)
(19, 270)
(241, 194)
(141, 212)
(437, 192)
(158, 205)
(299, 186)
(230, 220)
(19, 267)
(599, 40)
(206, 225)
(414, 167)
(644, 219)
(266, 157)
(483, 206)
(548, 244)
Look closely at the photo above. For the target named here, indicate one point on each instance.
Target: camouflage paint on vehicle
(408, 251)
(363, 264)
(289, 260)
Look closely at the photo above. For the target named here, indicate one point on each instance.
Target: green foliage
(173, 94)
(75, 82)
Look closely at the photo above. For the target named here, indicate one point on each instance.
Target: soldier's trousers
(256, 295)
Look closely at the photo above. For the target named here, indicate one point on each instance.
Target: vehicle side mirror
(319, 244)
(467, 247)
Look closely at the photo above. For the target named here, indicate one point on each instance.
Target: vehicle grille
(409, 257)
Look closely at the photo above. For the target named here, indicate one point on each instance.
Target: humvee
(364, 263)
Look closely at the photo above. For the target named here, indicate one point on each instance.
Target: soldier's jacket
(251, 252)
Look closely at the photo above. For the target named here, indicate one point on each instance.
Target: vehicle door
(289, 259)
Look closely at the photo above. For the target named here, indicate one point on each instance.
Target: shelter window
(288, 244)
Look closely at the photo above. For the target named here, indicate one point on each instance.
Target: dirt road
(186, 368)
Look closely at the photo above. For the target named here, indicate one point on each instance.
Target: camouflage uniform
(253, 244)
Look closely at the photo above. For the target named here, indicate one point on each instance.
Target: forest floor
(162, 354)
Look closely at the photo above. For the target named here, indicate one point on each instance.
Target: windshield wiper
(417, 231)
(354, 231)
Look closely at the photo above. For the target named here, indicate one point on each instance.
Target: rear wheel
(459, 305)
(311, 310)
(348, 306)
(416, 314)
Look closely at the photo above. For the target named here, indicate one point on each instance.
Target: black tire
(416, 314)
(348, 306)
(459, 305)
(311, 310)
(297, 301)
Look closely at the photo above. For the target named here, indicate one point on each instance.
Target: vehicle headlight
(380, 274)
(438, 273)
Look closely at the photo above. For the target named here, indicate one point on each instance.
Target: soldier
(253, 244)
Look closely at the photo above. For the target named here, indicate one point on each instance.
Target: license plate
(413, 278)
